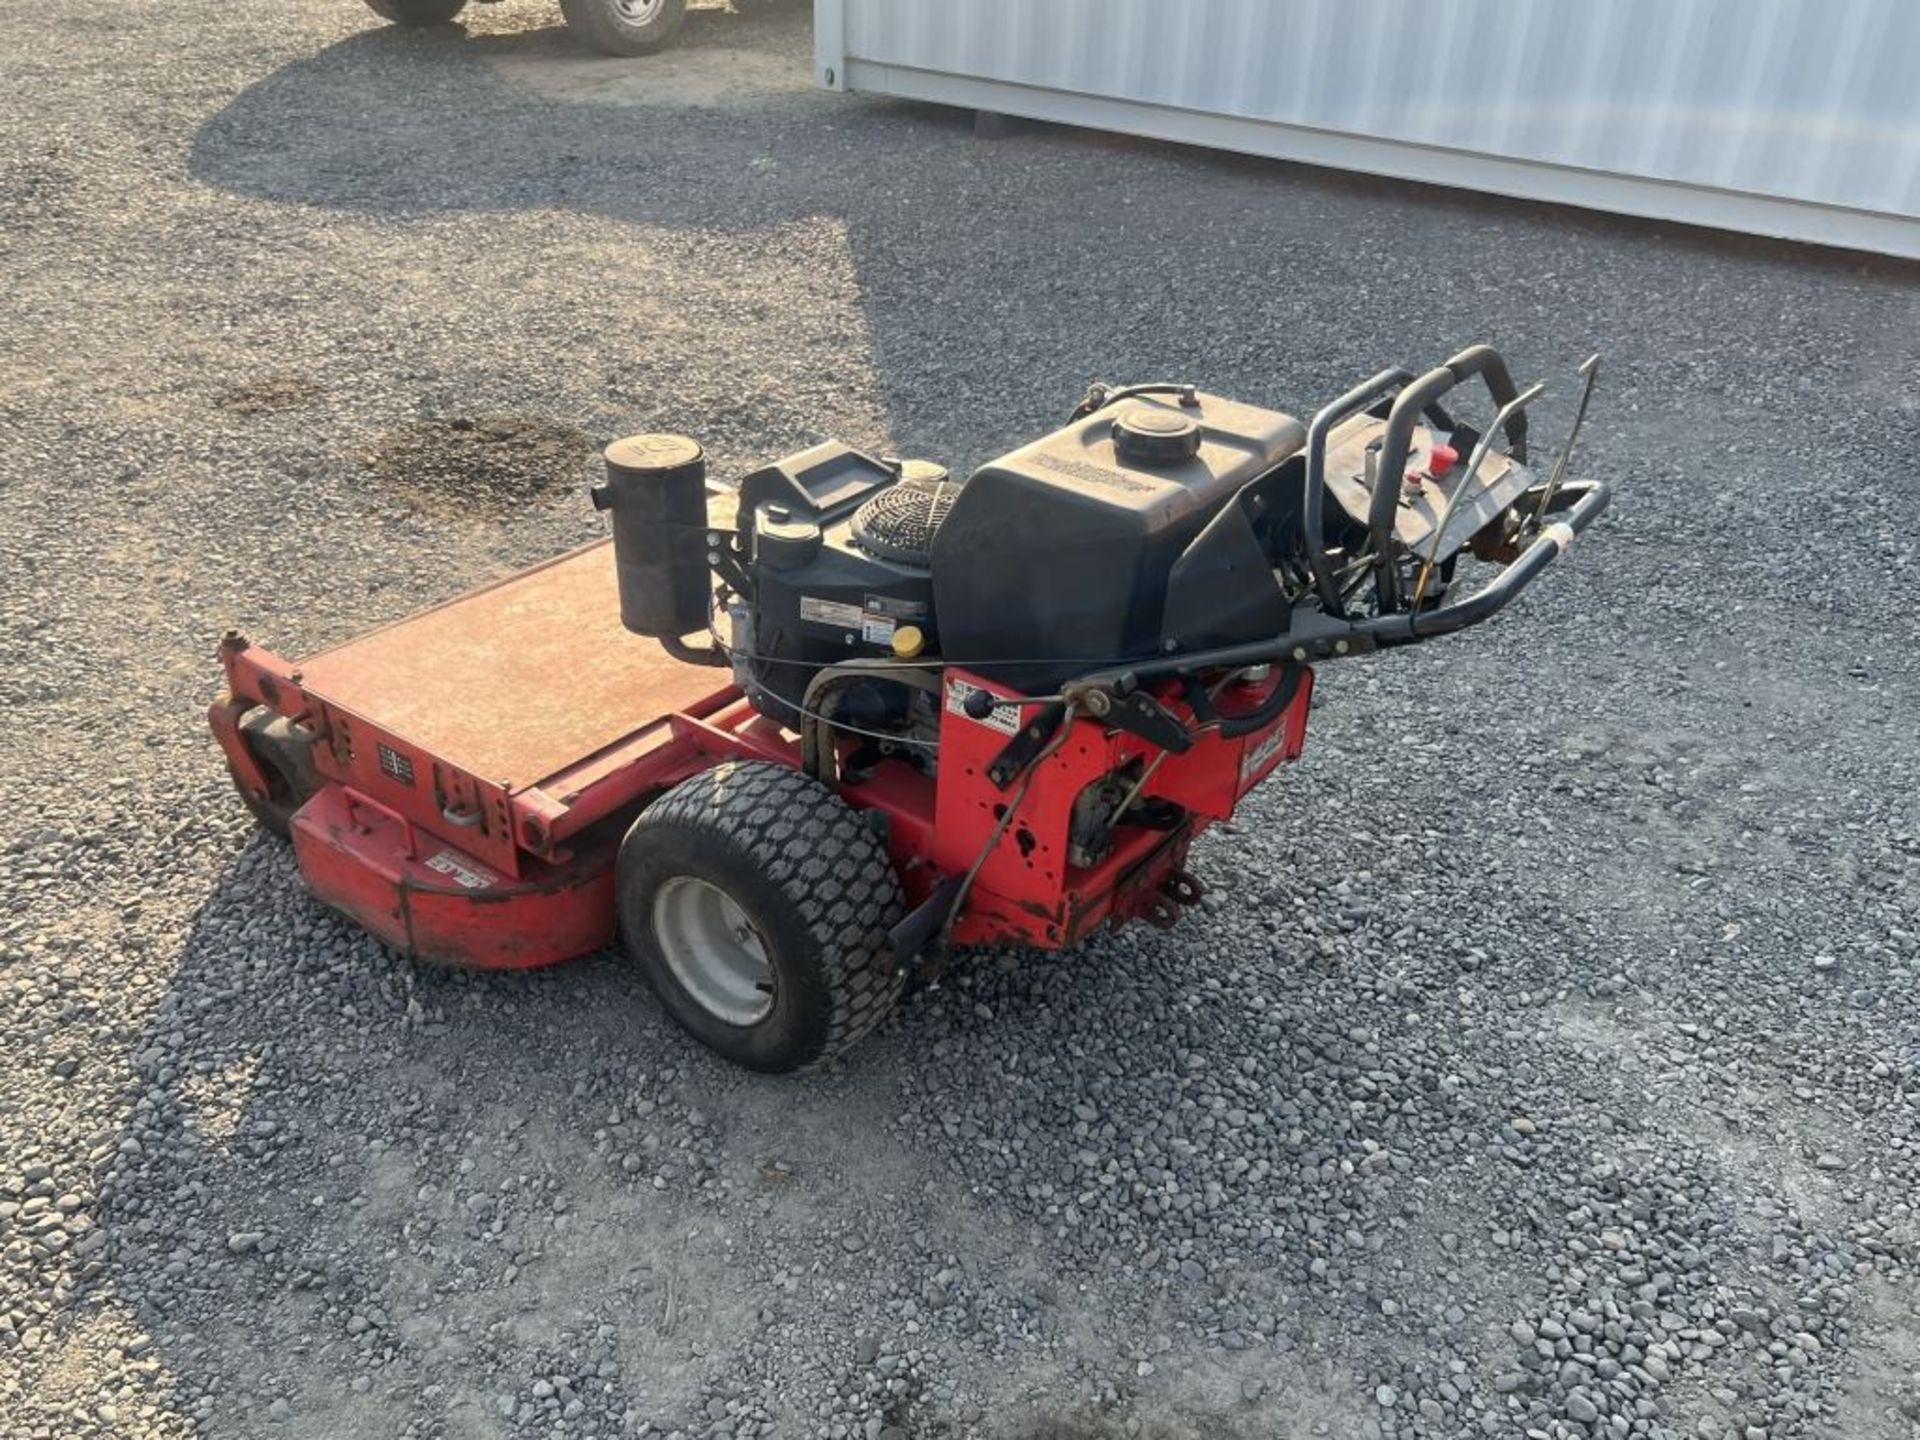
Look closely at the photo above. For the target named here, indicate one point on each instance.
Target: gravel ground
(1545, 1064)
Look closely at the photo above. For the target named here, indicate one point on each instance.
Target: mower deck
(469, 756)
(518, 682)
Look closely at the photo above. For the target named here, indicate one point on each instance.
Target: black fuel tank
(1054, 560)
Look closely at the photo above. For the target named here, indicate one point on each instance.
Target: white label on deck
(448, 863)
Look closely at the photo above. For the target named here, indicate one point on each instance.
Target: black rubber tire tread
(287, 759)
(598, 24)
(815, 880)
(417, 13)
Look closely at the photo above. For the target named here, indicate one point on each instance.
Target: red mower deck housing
(481, 761)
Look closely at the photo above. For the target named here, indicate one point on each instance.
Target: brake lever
(1591, 369)
(1513, 407)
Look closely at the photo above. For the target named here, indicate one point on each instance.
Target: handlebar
(1313, 500)
(1415, 398)
(1581, 502)
(1397, 443)
(1589, 498)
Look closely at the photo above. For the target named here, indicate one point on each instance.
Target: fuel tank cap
(1149, 435)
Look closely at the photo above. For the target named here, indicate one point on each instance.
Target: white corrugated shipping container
(1794, 118)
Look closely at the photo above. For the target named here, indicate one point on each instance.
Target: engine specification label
(897, 607)
(835, 614)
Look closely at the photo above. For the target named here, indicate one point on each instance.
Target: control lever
(1503, 421)
(1591, 369)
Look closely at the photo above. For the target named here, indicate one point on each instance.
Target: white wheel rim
(713, 950)
(638, 12)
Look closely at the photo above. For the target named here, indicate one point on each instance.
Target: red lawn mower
(915, 713)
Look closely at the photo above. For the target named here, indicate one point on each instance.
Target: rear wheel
(285, 754)
(624, 27)
(417, 12)
(757, 902)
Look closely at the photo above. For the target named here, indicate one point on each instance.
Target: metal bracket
(1140, 714)
(914, 933)
(1025, 747)
(1183, 888)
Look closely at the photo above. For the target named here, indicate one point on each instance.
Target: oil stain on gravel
(269, 395)
(482, 462)
(34, 190)
(1094, 1423)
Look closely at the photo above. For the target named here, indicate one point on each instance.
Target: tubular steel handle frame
(1579, 503)
(1513, 409)
(1414, 399)
(1588, 499)
(1313, 501)
(1397, 444)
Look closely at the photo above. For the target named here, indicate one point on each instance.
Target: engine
(833, 551)
(1089, 547)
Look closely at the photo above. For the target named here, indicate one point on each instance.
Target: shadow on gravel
(705, 135)
(500, 1178)
(443, 122)
(353, 1189)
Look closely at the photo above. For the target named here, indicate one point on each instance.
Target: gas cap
(782, 540)
(1148, 435)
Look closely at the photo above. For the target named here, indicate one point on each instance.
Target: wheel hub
(714, 950)
(638, 12)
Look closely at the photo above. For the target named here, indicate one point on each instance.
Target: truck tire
(417, 12)
(624, 27)
(757, 903)
(286, 755)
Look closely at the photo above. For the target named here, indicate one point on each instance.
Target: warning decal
(1004, 718)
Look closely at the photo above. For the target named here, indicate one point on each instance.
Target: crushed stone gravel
(1543, 1063)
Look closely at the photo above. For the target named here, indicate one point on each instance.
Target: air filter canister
(656, 496)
